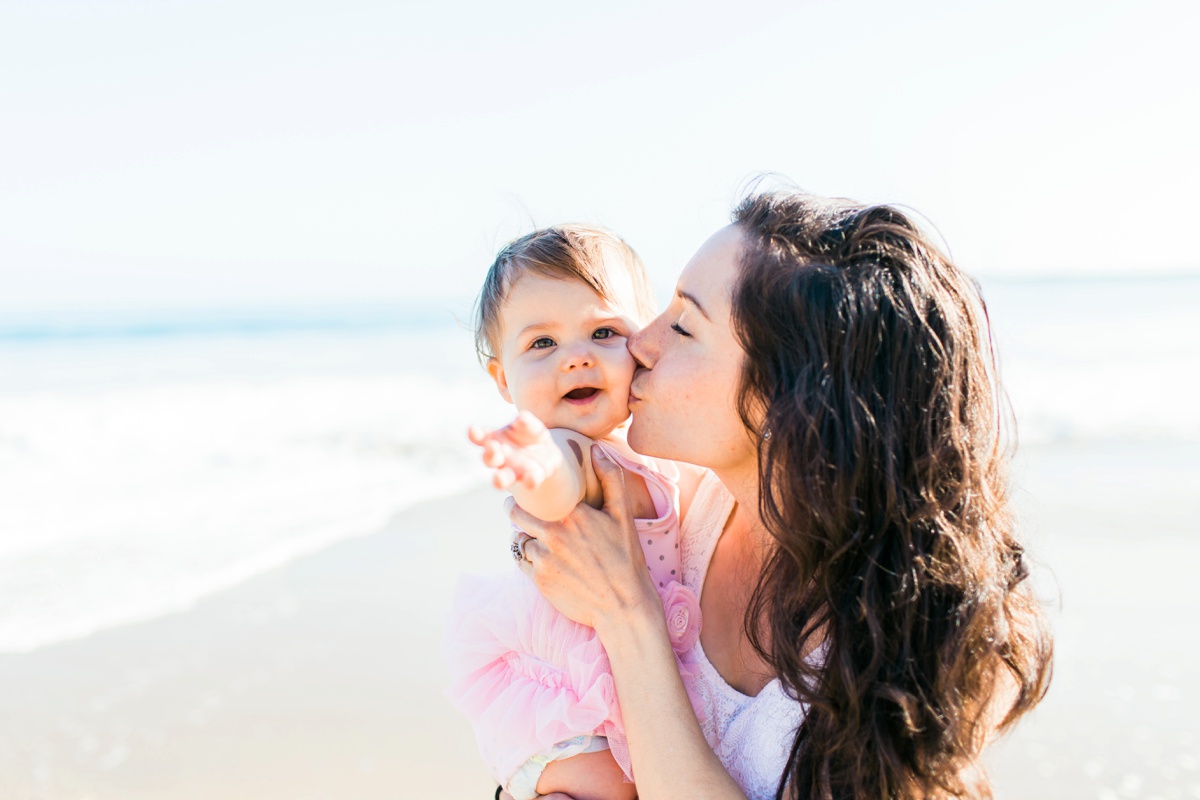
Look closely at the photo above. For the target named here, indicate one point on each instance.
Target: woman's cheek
(681, 385)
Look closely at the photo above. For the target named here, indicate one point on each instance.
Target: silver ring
(518, 548)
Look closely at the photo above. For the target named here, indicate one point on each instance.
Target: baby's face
(562, 355)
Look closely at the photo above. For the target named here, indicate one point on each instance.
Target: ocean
(147, 461)
(150, 459)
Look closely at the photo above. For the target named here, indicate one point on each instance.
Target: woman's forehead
(708, 278)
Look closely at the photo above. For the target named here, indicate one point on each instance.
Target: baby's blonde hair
(585, 253)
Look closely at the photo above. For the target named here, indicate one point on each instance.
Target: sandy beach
(1115, 529)
(322, 679)
(244, 259)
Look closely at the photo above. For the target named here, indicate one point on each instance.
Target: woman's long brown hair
(895, 602)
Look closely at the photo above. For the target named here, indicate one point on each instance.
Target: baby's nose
(579, 357)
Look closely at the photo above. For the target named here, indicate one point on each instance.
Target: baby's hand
(520, 452)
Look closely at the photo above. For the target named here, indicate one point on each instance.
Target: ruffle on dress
(528, 678)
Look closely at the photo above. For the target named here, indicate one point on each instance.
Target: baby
(554, 315)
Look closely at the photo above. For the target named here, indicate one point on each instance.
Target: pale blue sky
(164, 154)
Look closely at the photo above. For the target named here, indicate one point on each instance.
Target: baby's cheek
(625, 367)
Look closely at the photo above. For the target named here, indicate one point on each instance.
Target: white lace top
(752, 736)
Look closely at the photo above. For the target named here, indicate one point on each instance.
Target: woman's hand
(556, 796)
(589, 565)
(591, 568)
(520, 452)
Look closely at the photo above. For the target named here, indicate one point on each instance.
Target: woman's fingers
(520, 542)
(612, 484)
(523, 519)
(533, 550)
(596, 568)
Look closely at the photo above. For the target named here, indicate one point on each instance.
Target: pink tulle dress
(536, 686)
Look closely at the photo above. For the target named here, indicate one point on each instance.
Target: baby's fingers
(533, 475)
(493, 454)
(476, 434)
(526, 429)
(481, 436)
(504, 478)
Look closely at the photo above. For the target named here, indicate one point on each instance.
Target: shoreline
(229, 578)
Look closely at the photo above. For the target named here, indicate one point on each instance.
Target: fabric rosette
(682, 610)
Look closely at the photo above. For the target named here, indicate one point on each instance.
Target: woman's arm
(591, 568)
(670, 757)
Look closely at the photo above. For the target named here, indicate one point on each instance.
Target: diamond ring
(518, 548)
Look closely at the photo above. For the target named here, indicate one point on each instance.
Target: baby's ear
(496, 370)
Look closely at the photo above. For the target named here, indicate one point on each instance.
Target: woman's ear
(496, 370)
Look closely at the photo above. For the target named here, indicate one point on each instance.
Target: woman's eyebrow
(691, 299)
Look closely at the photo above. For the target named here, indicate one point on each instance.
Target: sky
(170, 154)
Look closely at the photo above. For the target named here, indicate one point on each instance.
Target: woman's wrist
(640, 621)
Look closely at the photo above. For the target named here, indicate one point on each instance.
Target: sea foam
(147, 463)
(137, 479)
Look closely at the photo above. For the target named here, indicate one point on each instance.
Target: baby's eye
(541, 343)
(605, 333)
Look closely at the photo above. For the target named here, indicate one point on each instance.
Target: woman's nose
(643, 345)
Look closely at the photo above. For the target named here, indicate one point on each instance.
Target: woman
(867, 627)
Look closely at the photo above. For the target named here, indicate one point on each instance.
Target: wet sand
(1116, 529)
(319, 680)
(322, 679)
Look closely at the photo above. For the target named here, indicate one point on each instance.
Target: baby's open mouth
(582, 393)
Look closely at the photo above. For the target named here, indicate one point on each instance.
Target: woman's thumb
(612, 480)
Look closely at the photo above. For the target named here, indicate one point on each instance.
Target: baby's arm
(589, 776)
(547, 471)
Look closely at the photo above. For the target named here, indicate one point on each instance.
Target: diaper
(523, 783)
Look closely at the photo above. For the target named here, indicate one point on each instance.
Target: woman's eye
(675, 327)
(604, 333)
(541, 343)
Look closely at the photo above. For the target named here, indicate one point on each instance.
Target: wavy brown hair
(868, 359)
